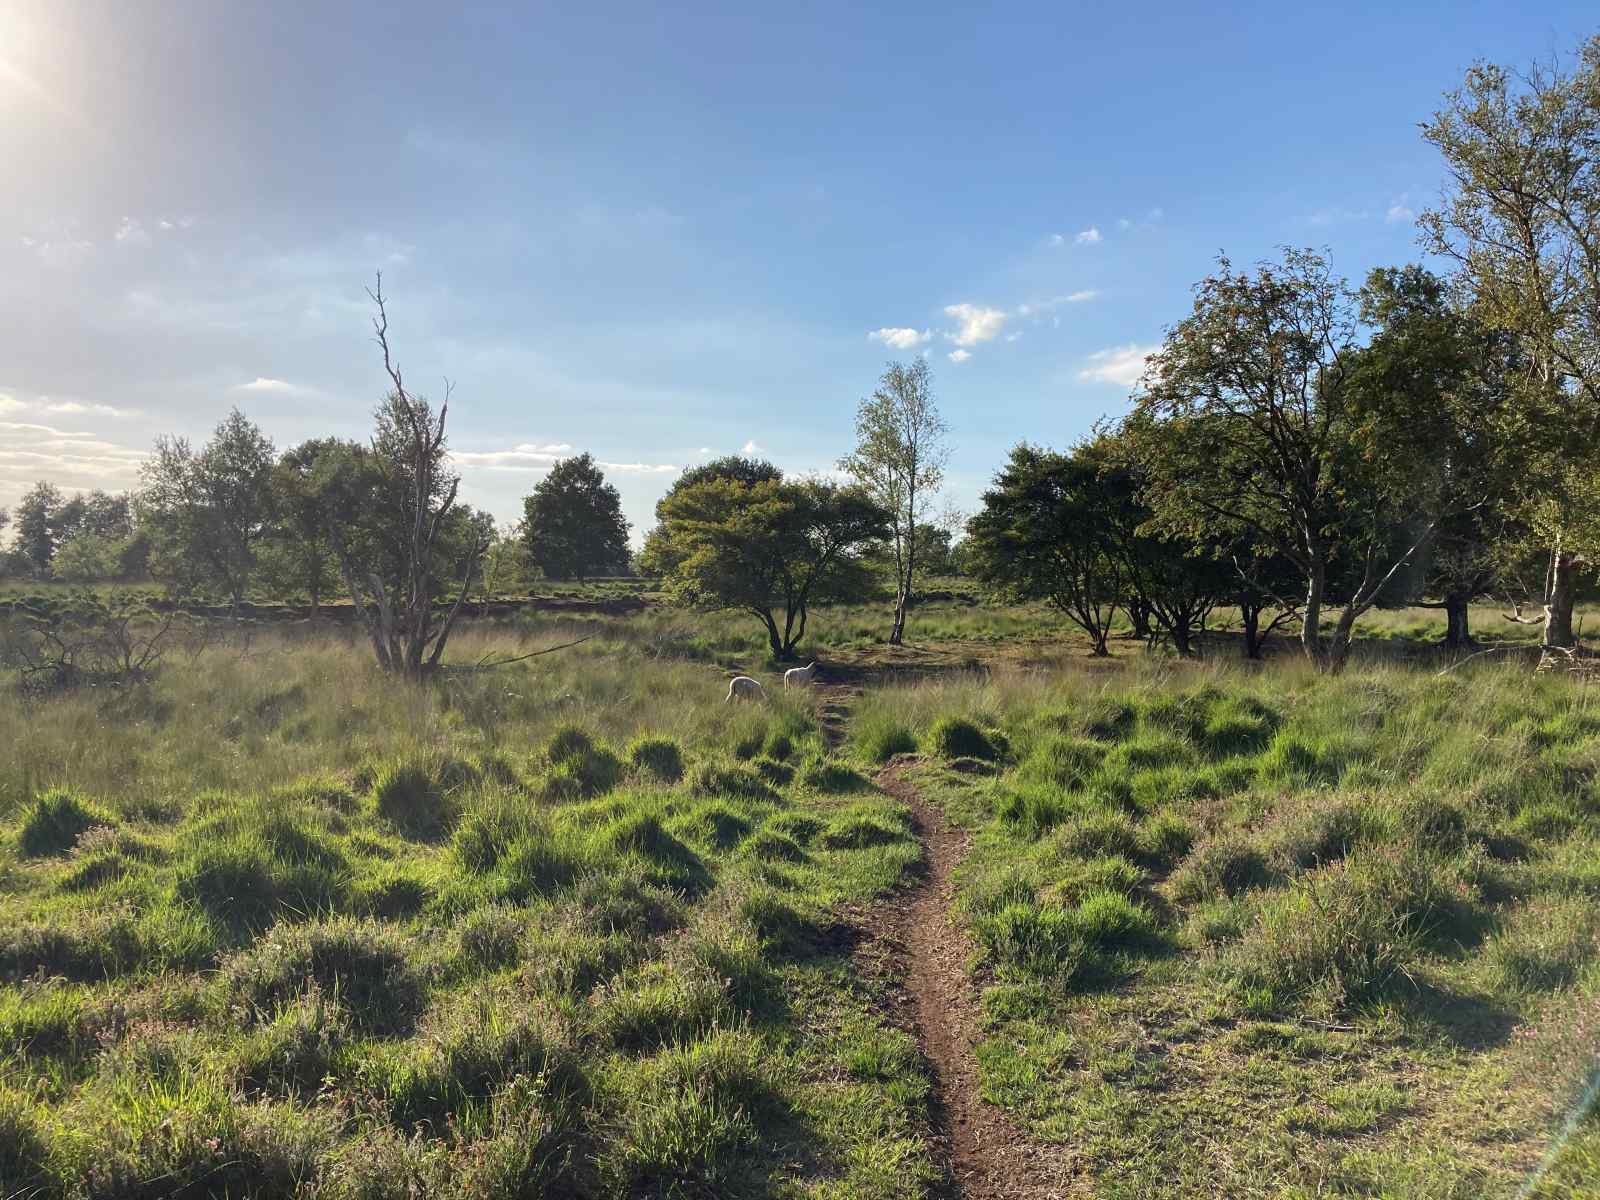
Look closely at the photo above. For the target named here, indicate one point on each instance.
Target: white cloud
(959, 356)
(132, 233)
(1035, 307)
(900, 338)
(1400, 210)
(1088, 237)
(9, 403)
(1057, 239)
(978, 324)
(73, 460)
(526, 456)
(705, 449)
(750, 447)
(77, 407)
(642, 468)
(1122, 365)
(279, 387)
(1338, 215)
(1013, 337)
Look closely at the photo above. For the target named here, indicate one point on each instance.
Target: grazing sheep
(745, 688)
(799, 675)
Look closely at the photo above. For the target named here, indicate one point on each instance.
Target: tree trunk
(1311, 625)
(1456, 631)
(1561, 588)
(1182, 637)
(1338, 650)
(1139, 617)
(1100, 650)
(898, 630)
(1250, 616)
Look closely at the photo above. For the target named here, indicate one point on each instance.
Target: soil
(985, 1156)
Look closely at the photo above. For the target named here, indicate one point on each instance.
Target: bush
(54, 821)
(657, 756)
(957, 737)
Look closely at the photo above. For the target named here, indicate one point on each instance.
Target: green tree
(660, 554)
(1521, 221)
(1268, 419)
(209, 511)
(770, 547)
(86, 557)
(1048, 530)
(300, 530)
(899, 459)
(37, 528)
(573, 523)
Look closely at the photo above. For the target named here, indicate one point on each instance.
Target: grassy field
(271, 925)
(1275, 935)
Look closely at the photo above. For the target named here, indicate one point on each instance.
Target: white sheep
(799, 675)
(745, 688)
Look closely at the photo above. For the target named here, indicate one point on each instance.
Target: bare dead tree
(407, 631)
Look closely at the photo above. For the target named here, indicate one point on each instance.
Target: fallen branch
(1480, 654)
(482, 665)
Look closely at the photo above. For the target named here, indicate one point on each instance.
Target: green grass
(1271, 934)
(274, 926)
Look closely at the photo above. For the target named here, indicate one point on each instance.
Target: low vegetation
(1268, 935)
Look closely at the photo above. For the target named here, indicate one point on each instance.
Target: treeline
(1299, 449)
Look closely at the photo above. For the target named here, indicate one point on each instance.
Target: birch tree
(899, 459)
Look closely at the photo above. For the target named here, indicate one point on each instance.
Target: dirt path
(986, 1157)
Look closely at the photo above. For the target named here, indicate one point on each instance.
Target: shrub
(957, 737)
(54, 821)
(657, 756)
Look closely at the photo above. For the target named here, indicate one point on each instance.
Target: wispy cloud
(959, 356)
(977, 323)
(750, 447)
(526, 456)
(131, 232)
(44, 404)
(1120, 365)
(900, 339)
(642, 468)
(1088, 237)
(1035, 307)
(1400, 209)
(1339, 215)
(73, 460)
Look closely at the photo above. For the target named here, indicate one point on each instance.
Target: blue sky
(664, 232)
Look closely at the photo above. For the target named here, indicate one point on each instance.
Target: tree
(506, 564)
(1268, 419)
(1047, 531)
(303, 518)
(899, 459)
(770, 547)
(85, 557)
(573, 523)
(37, 533)
(661, 554)
(1521, 220)
(391, 516)
(209, 511)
